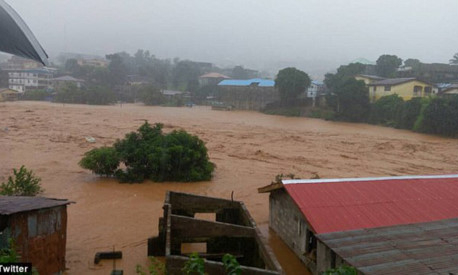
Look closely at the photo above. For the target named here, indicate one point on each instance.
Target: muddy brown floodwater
(248, 148)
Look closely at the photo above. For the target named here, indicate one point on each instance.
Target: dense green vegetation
(8, 254)
(290, 83)
(151, 154)
(36, 95)
(195, 265)
(96, 95)
(22, 183)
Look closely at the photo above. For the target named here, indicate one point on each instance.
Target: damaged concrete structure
(232, 231)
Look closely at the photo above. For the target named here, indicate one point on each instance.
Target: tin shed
(38, 227)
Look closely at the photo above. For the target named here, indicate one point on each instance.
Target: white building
(33, 79)
(315, 88)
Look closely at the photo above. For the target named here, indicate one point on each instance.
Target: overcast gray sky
(255, 33)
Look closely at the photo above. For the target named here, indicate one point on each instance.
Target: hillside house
(407, 88)
(92, 62)
(211, 79)
(251, 94)
(61, 81)
(8, 95)
(316, 89)
(39, 228)
(449, 90)
(19, 63)
(435, 72)
(304, 212)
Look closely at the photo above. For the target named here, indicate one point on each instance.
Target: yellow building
(406, 88)
(368, 79)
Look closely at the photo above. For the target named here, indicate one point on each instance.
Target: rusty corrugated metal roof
(348, 204)
(16, 204)
(422, 248)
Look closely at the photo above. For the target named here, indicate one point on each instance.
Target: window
(333, 259)
(375, 88)
(311, 241)
(387, 88)
(428, 90)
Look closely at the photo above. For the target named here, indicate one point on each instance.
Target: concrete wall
(287, 221)
(327, 259)
(248, 97)
(40, 237)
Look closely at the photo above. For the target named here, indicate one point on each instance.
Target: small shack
(8, 95)
(304, 212)
(214, 227)
(38, 227)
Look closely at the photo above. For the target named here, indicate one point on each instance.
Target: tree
(117, 69)
(99, 95)
(24, 183)
(148, 153)
(344, 72)
(409, 113)
(150, 95)
(102, 161)
(413, 63)
(386, 110)
(439, 117)
(454, 60)
(352, 101)
(387, 65)
(290, 83)
(185, 74)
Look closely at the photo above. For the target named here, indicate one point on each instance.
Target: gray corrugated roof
(450, 87)
(16, 204)
(421, 248)
(375, 77)
(392, 81)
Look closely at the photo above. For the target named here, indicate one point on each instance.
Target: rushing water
(248, 148)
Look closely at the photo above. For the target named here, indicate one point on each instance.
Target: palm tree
(454, 60)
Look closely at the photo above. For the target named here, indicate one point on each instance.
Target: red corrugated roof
(348, 204)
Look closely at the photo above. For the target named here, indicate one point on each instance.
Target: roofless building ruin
(231, 230)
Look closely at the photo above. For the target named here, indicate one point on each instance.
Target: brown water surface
(248, 148)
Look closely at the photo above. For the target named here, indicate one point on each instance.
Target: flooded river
(248, 148)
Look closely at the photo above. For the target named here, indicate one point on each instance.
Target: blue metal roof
(317, 82)
(247, 82)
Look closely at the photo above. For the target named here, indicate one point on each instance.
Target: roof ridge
(335, 180)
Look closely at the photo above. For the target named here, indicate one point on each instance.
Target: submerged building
(376, 225)
(213, 227)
